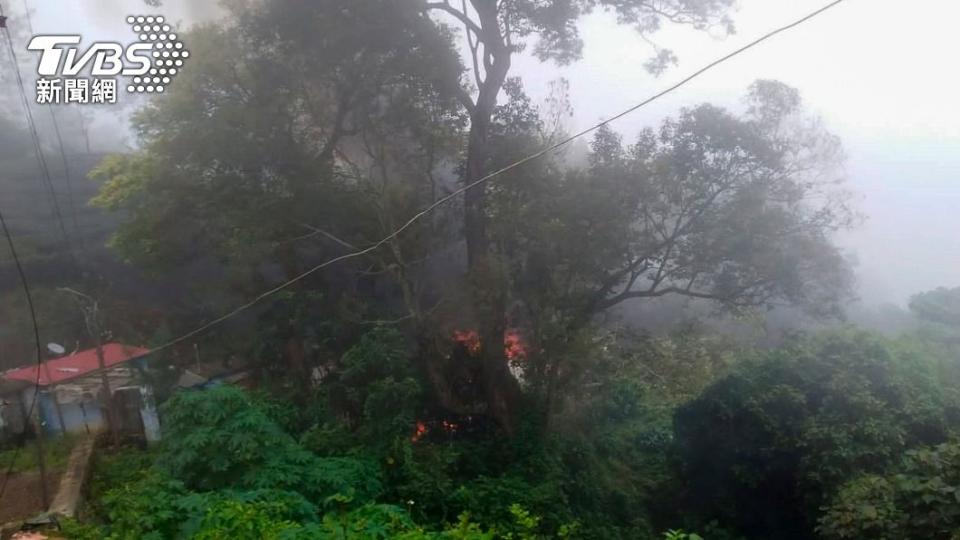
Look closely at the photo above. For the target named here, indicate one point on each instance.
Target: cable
(63, 155)
(36, 336)
(452, 195)
(37, 146)
(41, 162)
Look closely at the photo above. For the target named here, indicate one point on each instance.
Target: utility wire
(37, 146)
(63, 153)
(45, 171)
(443, 200)
(39, 351)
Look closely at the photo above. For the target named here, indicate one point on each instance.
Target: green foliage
(161, 508)
(219, 439)
(677, 534)
(376, 386)
(375, 521)
(370, 402)
(762, 448)
(863, 508)
(134, 501)
(939, 314)
(56, 452)
(267, 515)
(75, 530)
(736, 209)
(921, 499)
(940, 306)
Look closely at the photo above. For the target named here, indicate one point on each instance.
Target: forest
(643, 337)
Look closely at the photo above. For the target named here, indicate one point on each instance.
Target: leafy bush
(157, 507)
(371, 401)
(763, 447)
(921, 500)
(220, 439)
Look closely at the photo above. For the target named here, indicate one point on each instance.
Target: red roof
(63, 369)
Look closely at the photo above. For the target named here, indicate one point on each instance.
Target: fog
(340, 278)
(872, 70)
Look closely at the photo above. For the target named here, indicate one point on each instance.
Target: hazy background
(878, 72)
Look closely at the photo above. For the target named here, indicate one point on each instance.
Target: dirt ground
(22, 498)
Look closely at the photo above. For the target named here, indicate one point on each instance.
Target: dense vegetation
(839, 435)
(475, 377)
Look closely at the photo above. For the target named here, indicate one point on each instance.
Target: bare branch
(474, 50)
(459, 15)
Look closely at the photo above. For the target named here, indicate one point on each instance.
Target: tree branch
(459, 15)
(474, 49)
(654, 293)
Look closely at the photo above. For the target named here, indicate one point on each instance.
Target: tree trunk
(499, 387)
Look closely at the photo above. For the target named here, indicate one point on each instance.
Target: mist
(383, 268)
(890, 106)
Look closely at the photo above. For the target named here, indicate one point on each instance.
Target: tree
(940, 306)
(939, 314)
(495, 31)
(735, 210)
(301, 131)
(766, 446)
(918, 500)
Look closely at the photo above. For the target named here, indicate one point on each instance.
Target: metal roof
(58, 370)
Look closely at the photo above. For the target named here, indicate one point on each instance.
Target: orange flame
(419, 432)
(514, 347)
(422, 428)
(469, 339)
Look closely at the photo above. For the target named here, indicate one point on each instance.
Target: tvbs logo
(149, 64)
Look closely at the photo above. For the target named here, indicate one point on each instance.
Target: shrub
(920, 500)
(219, 439)
(764, 446)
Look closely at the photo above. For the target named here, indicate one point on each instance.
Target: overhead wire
(63, 154)
(36, 336)
(45, 172)
(447, 198)
(357, 253)
(416, 217)
(46, 177)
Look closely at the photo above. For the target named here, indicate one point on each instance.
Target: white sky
(879, 72)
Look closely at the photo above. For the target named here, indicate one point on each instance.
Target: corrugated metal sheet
(81, 363)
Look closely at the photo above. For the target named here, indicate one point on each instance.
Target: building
(70, 391)
(13, 410)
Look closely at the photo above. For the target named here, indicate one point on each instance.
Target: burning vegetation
(514, 346)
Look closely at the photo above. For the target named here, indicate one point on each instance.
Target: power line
(45, 171)
(39, 351)
(35, 139)
(63, 154)
(443, 200)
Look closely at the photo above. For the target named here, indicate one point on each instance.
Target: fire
(419, 432)
(514, 347)
(421, 429)
(469, 339)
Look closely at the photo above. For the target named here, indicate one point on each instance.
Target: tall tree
(495, 31)
(300, 131)
(939, 313)
(736, 210)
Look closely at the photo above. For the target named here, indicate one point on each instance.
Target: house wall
(78, 417)
(88, 417)
(11, 415)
